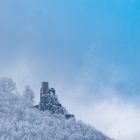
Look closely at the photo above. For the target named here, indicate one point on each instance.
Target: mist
(93, 95)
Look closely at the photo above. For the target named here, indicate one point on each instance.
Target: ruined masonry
(49, 101)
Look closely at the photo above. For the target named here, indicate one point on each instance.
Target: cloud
(100, 97)
(112, 115)
(116, 119)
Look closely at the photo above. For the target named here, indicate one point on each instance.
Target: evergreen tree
(28, 96)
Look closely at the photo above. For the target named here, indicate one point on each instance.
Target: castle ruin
(49, 101)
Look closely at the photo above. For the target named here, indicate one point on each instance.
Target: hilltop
(20, 121)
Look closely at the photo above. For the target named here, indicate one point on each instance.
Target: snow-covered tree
(7, 85)
(28, 96)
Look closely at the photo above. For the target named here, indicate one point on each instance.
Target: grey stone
(49, 101)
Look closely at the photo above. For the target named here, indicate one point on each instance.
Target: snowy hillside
(19, 121)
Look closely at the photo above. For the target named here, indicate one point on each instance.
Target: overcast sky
(89, 51)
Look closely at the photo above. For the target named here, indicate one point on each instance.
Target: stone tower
(44, 91)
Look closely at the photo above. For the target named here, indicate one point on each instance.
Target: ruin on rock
(49, 101)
